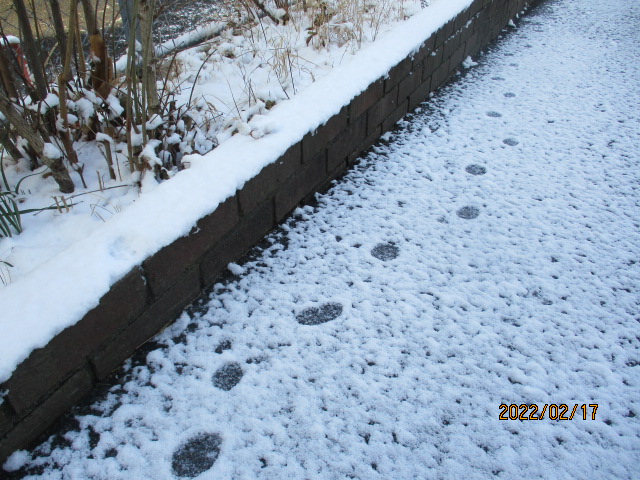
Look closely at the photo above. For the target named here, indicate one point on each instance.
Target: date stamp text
(551, 411)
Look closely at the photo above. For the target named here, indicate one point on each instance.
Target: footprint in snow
(228, 376)
(385, 251)
(512, 142)
(468, 213)
(197, 455)
(222, 346)
(316, 316)
(509, 94)
(494, 114)
(474, 169)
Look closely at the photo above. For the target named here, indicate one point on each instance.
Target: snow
(85, 108)
(187, 39)
(51, 151)
(468, 63)
(114, 104)
(149, 154)
(82, 258)
(101, 137)
(236, 269)
(16, 461)
(50, 101)
(154, 122)
(379, 330)
(9, 40)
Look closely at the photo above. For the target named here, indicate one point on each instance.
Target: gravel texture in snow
(377, 332)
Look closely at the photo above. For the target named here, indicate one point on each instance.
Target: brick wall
(153, 294)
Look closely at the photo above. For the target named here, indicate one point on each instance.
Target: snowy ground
(487, 253)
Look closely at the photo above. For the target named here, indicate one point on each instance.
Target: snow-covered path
(488, 253)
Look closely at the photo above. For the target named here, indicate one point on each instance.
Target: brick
(498, 19)
(441, 37)
(485, 38)
(314, 142)
(366, 99)
(397, 74)
(250, 231)
(125, 299)
(40, 419)
(420, 95)
(259, 188)
(337, 172)
(496, 22)
(514, 9)
(168, 264)
(475, 7)
(483, 18)
(483, 28)
(445, 32)
(409, 85)
(46, 367)
(495, 32)
(450, 47)
(466, 33)
(371, 139)
(165, 309)
(7, 419)
(503, 7)
(457, 58)
(425, 49)
(472, 46)
(381, 110)
(505, 16)
(396, 115)
(461, 19)
(432, 63)
(457, 37)
(300, 185)
(440, 76)
(494, 9)
(346, 143)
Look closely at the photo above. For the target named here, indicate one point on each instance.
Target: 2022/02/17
(551, 411)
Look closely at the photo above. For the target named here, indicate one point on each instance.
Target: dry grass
(10, 22)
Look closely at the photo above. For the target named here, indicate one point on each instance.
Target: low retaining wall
(153, 294)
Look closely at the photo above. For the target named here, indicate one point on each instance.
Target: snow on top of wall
(60, 292)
